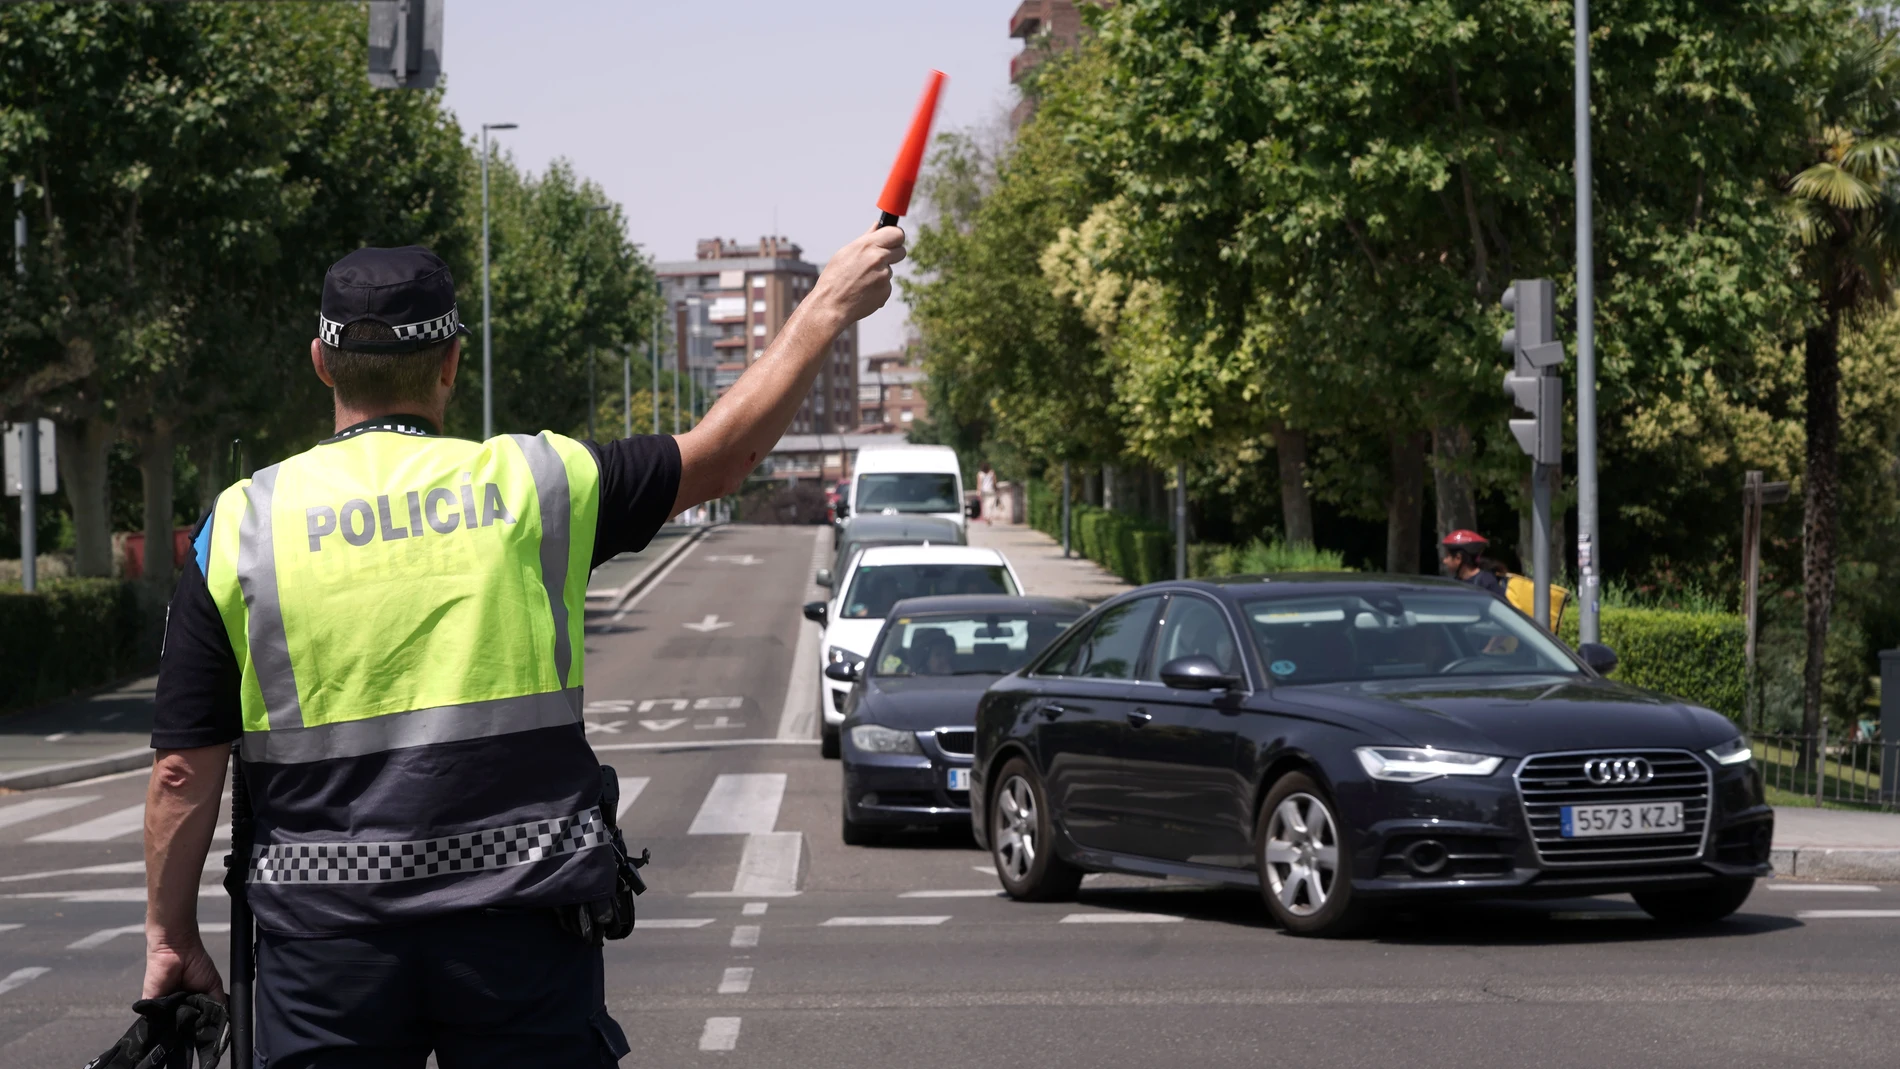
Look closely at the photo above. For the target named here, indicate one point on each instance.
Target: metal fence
(1863, 773)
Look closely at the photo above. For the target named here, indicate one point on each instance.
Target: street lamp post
(1589, 544)
(653, 347)
(488, 362)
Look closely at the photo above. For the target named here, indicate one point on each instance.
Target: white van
(917, 480)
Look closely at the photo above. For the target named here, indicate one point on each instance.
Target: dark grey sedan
(908, 732)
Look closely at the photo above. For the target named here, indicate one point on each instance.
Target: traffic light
(405, 43)
(1533, 382)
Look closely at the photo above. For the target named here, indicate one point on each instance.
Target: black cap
(408, 290)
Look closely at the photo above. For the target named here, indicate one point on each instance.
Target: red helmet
(1463, 539)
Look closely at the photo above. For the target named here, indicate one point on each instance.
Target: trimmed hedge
(70, 635)
(1696, 656)
(1137, 551)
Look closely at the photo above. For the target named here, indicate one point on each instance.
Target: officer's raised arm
(717, 455)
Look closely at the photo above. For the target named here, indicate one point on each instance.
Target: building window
(905, 417)
(908, 393)
(758, 306)
(758, 282)
(758, 330)
(756, 353)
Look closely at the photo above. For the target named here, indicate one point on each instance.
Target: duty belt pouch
(610, 918)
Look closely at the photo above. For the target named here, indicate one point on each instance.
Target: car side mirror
(842, 671)
(1197, 671)
(844, 508)
(1600, 658)
(973, 509)
(823, 578)
(815, 612)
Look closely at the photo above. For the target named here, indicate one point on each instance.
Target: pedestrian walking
(986, 490)
(389, 626)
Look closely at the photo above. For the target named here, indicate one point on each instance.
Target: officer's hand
(181, 966)
(857, 281)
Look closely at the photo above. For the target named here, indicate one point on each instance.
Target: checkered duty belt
(493, 848)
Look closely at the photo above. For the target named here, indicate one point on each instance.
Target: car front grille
(958, 741)
(1548, 782)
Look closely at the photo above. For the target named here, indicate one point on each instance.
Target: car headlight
(874, 739)
(1405, 764)
(840, 655)
(1735, 751)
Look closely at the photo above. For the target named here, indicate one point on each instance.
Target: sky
(722, 118)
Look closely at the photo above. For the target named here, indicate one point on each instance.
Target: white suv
(878, 578)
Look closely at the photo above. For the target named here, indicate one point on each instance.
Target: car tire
(828, 742)
(1022, 838)
(856, 834)
(1702, 905)
(1303, 854)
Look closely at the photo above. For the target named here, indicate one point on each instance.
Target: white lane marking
(736, 981)
(987, 870)
(10, 927)
(753, 909)
(722, 1033)
(745, 935)
(99, 829)
(106, 935)
(1855, 887)
(106, 894)
(117, 868)
(663, 724)
(798, 717)
(57, 735)
(703, 744)
(109, 777)
(740, 803)
(22, 976)
(630, 788)
(674, 922)
(743, 559)
(743, 894)
(1847, 914)
(988, 892)
(1120, 918)
(770, 863)
(655, 584)
(1599, 915)
(884, 922)
(34, 808)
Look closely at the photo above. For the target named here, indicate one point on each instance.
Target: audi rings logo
(1618, 771)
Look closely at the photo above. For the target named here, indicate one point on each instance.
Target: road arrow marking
(717, 722)
(662, 725)
(611, 727)
(712, 622)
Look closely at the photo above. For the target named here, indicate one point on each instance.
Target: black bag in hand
(170, 1033)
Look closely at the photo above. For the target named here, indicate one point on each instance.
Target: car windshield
(992, 643)
(908, 492)
(875, 588)
(1398, 635)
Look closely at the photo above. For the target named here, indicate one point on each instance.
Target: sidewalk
(1038, 561)
(1834, 844)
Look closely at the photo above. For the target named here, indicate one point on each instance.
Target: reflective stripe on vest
(418, 727)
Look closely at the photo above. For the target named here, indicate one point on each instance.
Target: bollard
(1890, 727)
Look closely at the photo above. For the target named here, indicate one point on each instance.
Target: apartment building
(730, 301)
(1045, 27)
(891, 392)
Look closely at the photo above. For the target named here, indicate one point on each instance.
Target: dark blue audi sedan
(1342, 742)
(909, 720)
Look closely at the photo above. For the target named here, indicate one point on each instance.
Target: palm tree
(1846, 210)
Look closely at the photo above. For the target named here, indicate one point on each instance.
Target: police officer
(1463, 557)
(390, 625)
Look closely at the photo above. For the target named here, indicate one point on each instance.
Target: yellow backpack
(1521, 592)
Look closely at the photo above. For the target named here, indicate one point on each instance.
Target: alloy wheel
(1302, 854)
(1016, 828)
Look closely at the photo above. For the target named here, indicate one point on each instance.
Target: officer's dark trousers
(479, 989)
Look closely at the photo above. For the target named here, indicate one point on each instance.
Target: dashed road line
(675, 922)
(770, 863)
(745, 936)
(117, 868)
(1599, 915)
(987, 870)
(736, 981)
(799, 717)
(10, 927)
(722, 1033)
(106, 935)
(884, 922)
(1847, 914)
(1862, 888)
(35, 808)
(630, 788)
(981, 892)
(99, 829)
(23, 976)
(1121, 918)
(753, 909)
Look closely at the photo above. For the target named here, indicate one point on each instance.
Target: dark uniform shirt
(198, 675)
(1487, 580)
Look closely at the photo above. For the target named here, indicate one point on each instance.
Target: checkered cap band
(428, 332)
(495, 848)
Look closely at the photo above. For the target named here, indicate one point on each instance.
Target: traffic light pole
(1587, 540)
(1542, 475)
